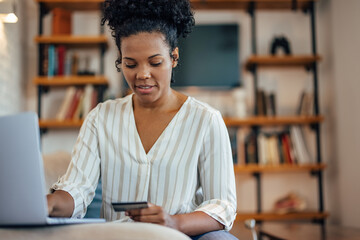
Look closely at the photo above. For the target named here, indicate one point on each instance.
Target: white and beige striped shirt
(189, 168)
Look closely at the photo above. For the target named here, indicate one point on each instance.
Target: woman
(155, 145)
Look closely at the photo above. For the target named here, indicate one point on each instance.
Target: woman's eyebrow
(154, 55)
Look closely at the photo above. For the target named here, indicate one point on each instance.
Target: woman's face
(147, 66)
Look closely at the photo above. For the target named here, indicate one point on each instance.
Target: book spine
(61, 22)
(74, 104)
(51, 62)
(69, 95)
(61, 60)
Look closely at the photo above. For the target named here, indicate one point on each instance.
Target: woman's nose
(143, 73)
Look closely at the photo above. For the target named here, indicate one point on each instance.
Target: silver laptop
(22, 181)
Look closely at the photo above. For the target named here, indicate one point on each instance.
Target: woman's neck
(171, 101)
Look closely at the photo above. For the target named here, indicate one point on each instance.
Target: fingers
(152, 214)
(50, 204)
(152, 209)
(157, 219)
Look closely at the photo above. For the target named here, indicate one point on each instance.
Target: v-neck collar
(137, 137)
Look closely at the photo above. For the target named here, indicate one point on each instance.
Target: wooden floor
(298, 231)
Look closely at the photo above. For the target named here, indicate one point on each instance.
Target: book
(273, 148)
(95, 99)
(74, 104)
(51, 61)
(260, 103)
(282, 157)
(306, 104)
(74, 64)
(302, 150)
(291, 148)
(263, 149)
(69, 95)
(270, 104)
(61, 22)
(241, 134)
(68, 63)
(87, 102)
(286, 148)
(79, 108)
(45, 62)
(250, 148)
(61, 51)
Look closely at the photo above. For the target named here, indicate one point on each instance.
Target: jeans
(215, 235)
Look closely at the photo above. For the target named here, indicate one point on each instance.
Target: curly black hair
(172, 18)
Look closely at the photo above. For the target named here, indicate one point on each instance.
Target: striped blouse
(189, 168)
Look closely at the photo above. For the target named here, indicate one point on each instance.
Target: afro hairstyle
(172, 18)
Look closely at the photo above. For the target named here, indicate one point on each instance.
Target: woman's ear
(175, 57)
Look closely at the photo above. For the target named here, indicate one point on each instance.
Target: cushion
(111, 230)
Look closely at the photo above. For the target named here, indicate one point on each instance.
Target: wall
(346, 55)
(338, 88)
(11, 61)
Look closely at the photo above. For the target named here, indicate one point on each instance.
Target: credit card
(125, 206)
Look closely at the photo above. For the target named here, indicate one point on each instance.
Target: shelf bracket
(43, 131)
(314, 173)
(251, 8)
(252, 68)
(314, 126)
(294, 5)
(46, 89)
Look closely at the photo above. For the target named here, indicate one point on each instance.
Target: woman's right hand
(60, 204)
(50, 203)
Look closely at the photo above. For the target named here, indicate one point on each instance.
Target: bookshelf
(69, 80)
(45, 82)
(246, 4)
(281, 61)
(256, 168)
(89, 41)
(256, 123)
(272, 121)
(74, 5)
(272, 216)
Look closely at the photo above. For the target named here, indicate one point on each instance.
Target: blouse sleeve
(217, 174)
(82, 175)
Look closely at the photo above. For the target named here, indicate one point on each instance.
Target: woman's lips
(144, 89)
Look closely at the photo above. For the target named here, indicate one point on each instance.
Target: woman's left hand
(153, 214)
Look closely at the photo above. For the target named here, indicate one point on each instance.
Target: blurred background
(212, 68)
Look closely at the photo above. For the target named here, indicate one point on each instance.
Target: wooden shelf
(88, 5)
(255, 168)
(51, 123)
(70, 80)
(76, 41)
(271, 216)
(281, 61)
(73, 5)
(278, 120)
(230, 122)
(245, 4)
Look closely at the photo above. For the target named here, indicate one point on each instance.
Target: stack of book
(273, 148)
(60, 62)
(77, 103)
(265, 103)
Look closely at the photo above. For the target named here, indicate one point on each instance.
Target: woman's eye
(130, 65)
(156, 64)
